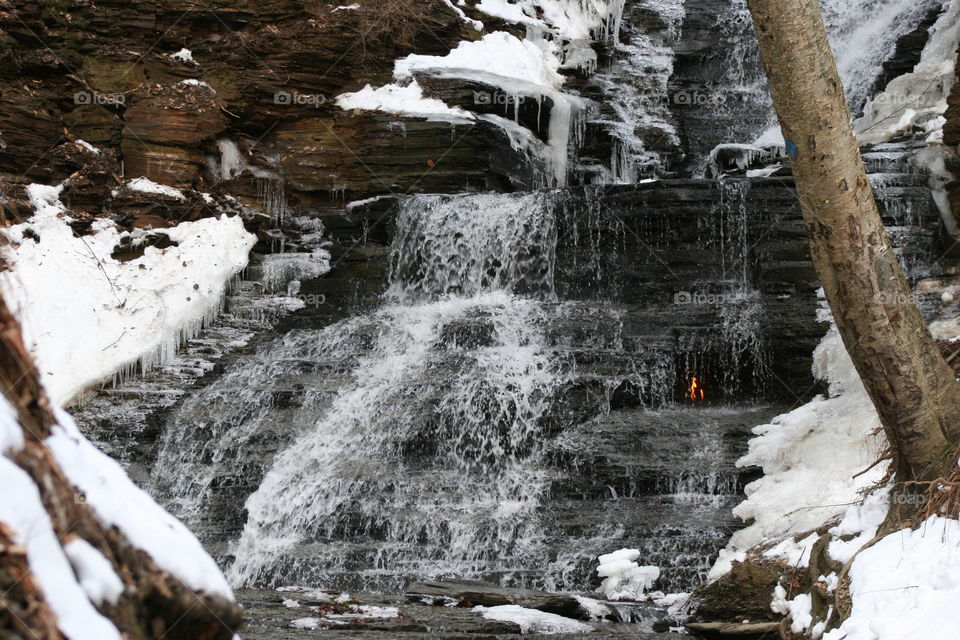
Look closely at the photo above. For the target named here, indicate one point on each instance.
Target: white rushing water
(455, 371)
(480, 482)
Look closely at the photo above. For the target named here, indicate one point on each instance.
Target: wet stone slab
(269, 619)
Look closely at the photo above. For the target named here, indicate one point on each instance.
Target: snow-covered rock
(623, 578)
(145, 185)
(185, 56)
(533, 620)
(22, 511)
(75, 578)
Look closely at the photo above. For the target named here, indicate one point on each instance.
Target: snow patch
(89, 147)
(476, 24)
(145, 185)
(309, 624)
(185, 56)
(534, 621)
(594, 608)
(193, 82)
(403, 100)
(94, 571)
(795, 554)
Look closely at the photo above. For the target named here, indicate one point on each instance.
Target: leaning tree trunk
(155, 605)
(913, 389)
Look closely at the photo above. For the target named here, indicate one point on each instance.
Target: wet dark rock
(471, 593)
(907, 54)
(735, 631)
(745, 592)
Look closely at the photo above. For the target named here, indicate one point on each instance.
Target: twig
(879, 460)
(100, 266)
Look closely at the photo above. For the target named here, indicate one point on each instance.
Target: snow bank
(118, 502)
(623, 578)
(534, 621)
(86, 315)
(809, 458)
(903, 587)
(906, 586)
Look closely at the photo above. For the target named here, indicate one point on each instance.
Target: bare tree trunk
(154, 604)
(913, 389)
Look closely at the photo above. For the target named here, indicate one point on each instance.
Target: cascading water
(433, 450)
(863, 35)
(430, 437)
(429, 452)
(431, 455)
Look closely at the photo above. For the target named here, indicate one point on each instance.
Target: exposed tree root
(154, 604)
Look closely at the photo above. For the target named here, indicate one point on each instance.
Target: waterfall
(467, 245)
(448, 432)
(863, 35)
(663, 89)
(465, 499)
(428, 452)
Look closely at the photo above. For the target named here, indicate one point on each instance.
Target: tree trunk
(154, 604)
(913, 389)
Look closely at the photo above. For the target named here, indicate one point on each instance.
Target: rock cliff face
(262, 75)
(238, 98)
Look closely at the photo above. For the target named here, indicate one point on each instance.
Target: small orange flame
(696, 391)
